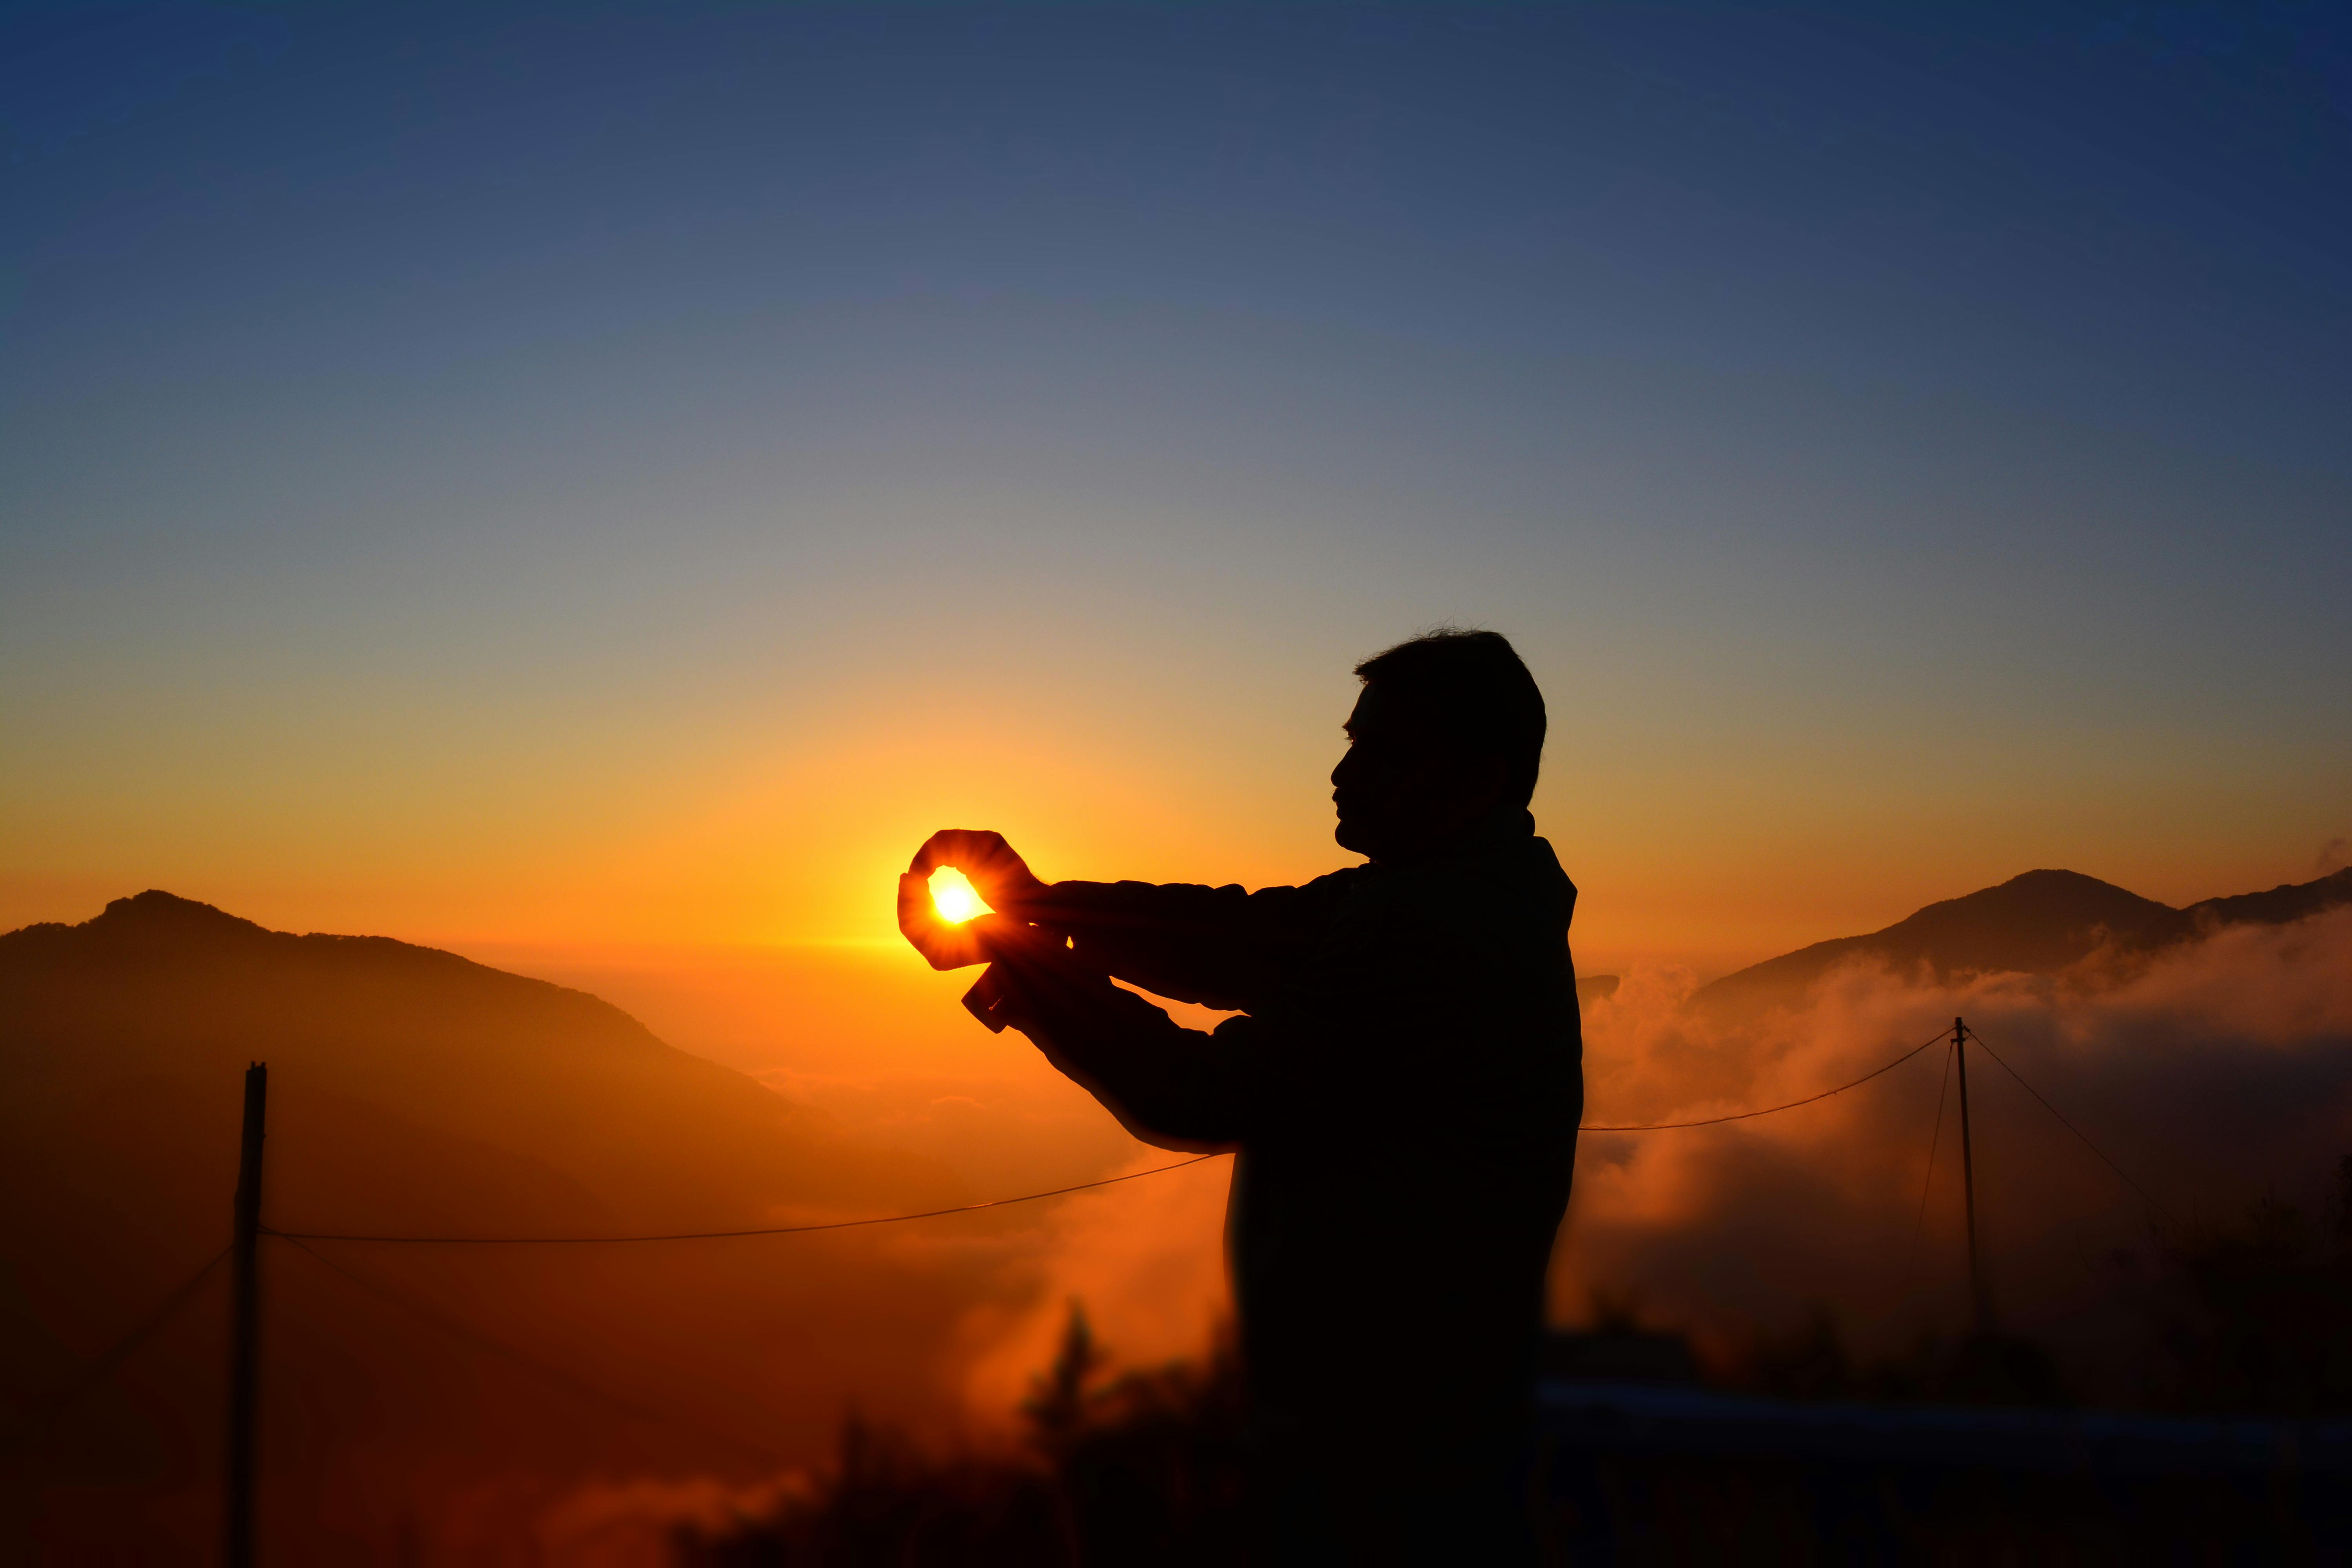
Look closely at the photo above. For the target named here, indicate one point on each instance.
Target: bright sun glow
(954, 896)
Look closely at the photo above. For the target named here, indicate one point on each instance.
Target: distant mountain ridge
(414, 1049)
(413, 1092)
(2037, 924)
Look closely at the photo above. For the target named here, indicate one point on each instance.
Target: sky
(593, 487)
(533, 478)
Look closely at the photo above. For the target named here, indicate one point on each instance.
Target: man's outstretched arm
(1221, 947)
(1168, 1085)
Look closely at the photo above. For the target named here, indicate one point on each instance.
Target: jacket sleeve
(1168, 1085)
(1220, 947)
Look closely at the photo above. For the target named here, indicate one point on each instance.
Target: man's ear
(1488, 781)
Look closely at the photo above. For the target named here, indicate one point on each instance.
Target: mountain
(2287, 902)
(412, 1092)
(2038, 923)
(537, 1102)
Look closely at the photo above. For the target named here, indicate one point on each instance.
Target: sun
(953, 897)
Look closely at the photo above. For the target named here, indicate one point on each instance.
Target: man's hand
(1001, 878)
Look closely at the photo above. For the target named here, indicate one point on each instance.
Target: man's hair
(1473, 686)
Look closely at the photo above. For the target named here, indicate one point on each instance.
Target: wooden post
(244, 1328)
(1980, 1292)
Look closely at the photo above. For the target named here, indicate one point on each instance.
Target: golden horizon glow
(954, 897)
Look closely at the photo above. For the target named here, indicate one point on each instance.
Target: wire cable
(1919, 1226)
(101, 1366)
(506, 1352)
(300, 1236)
(1773, 1110)
(1936, 1141)
(2077, 1132)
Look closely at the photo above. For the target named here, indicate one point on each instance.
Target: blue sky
(1908, 440)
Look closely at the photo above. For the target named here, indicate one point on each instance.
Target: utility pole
(1979, 1293)
(245, 1328)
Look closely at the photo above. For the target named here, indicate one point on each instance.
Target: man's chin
(1352, 836)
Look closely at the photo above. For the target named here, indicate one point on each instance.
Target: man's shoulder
(1509, 893)
(1520, 877)
(1334, 883)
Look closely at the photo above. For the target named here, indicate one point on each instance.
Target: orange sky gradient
(593, 489)
(784, 826)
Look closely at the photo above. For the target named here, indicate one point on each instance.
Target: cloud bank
(2214, 1075)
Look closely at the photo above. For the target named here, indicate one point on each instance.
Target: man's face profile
(1403, 789)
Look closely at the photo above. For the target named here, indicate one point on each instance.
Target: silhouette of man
(1402, 1086)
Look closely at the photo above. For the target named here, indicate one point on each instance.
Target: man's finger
(994, 867)
(965, 849)
(943, 943)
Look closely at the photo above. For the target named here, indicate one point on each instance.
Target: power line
(99, 1367)
(1772, 1109)
(300, 1236)
(1919, 1226)
(1927, 1185)
(506, 1352)
(2077, 1132)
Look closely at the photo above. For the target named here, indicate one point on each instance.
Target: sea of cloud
(2197, 1082)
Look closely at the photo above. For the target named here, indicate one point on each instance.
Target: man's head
(1449, 727)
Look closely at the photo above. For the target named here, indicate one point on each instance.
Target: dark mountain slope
(403, 1037)
(2038, 923)
(2287, 901)
(412, 1092)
